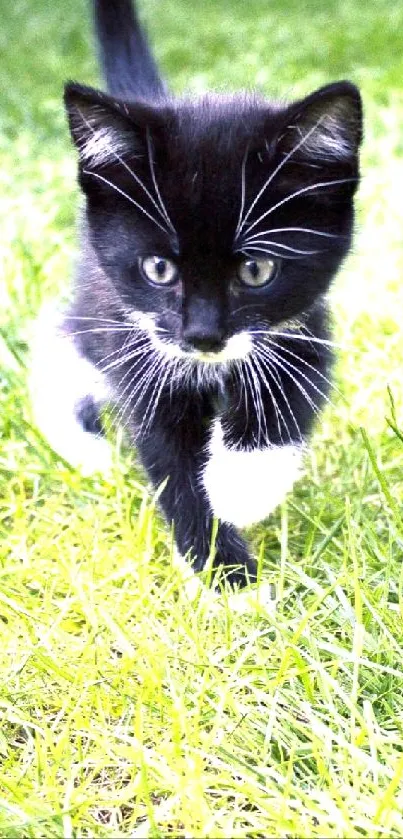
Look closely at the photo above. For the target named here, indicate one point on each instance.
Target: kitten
(213, 228)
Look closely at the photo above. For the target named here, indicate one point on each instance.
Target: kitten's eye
(257, 272)
(158, 270)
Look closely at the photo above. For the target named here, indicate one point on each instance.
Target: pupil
(254, 269)
(160, 267)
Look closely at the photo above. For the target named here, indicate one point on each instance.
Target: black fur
(208, 158)
(129, 68)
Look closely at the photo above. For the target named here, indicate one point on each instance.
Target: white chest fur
(243, 487)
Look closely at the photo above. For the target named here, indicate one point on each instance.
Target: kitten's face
(215, 218)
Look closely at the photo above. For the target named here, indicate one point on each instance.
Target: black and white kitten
(213, 228)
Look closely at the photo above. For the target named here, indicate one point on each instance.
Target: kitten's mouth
(206, 357)
(237, 347)
(209, 357)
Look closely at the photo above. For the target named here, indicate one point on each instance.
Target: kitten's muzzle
(202, 342)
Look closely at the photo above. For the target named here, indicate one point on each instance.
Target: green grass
(125, 709)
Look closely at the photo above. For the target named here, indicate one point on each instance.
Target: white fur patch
(331, 138)
(244, 487)
(103, 146)
(237, 346)
(60, 379)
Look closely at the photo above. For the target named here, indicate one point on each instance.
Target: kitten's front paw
(260, 598)
(191, 584)
(237, 576)
(239, 569)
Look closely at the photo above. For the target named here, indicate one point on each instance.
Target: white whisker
(175, 366)
(96, 319)
(243, 185)
(127, 343)
(128, 197)
(268, 333)
(306, 364)
(291, 366)
(142, 376)
(151, 379)
(96, 330)
(238, 364)
(118, 362)
(139, 363)
(163, 210)
(287, 367)
(277, 410)
(154, 400)
(242, 379)
(118, 413)
(302, 191)
(257, 241)
(261, 249)
(269, 366)
(276, 170)
(256, 395)
(297, 230)
(128, 169)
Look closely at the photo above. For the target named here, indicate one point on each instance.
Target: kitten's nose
(199, 340)
(202, 326)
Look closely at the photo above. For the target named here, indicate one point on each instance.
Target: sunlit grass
(127, 710)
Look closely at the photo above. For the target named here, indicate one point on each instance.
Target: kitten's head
(213, 217)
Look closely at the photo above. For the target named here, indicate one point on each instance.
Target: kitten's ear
(102, 127)
(326, 126)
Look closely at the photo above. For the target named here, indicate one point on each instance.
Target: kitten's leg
(243, 601)
(67, 394)
(174, 452)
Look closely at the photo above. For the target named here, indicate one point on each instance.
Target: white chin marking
(60, 378)
(244, 487)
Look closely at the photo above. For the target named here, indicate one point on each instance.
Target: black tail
(129, 68)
